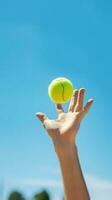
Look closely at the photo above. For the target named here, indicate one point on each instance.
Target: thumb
(41, 116)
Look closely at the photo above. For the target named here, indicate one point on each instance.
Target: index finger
(59, 108)
(87, 106)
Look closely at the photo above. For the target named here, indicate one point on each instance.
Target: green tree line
(43, 195)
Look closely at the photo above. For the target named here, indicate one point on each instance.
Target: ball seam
(63, 89)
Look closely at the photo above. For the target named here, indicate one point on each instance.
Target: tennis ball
(60, 90)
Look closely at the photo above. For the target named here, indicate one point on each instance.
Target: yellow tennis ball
(60, 90)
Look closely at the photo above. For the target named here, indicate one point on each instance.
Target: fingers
(59, 108)
(73, 101)
(87, 106)
(80, 99)
(41, 116)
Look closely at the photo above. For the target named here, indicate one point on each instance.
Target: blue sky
(39, 41)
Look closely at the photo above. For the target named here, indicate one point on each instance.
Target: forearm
(63, 131)
(74, 184)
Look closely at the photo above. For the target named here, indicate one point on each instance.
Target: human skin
(63, 131)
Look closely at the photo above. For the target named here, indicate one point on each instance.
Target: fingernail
(90, 100)
(82, 89)
(74, 92)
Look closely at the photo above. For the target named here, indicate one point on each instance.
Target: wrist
(65, 149)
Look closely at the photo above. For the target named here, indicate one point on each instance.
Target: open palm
(65, 127)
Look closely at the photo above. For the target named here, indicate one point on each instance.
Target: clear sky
(39, 41)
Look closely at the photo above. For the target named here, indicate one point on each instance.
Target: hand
(63, 130)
